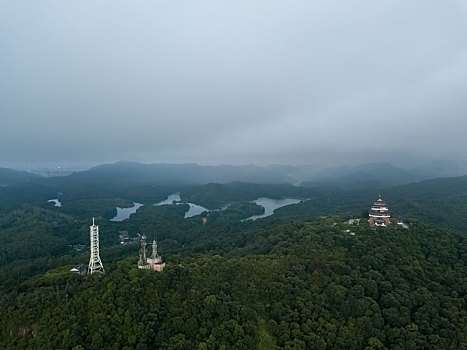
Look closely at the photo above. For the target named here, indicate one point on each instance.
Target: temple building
(379, 213)
(152, 263)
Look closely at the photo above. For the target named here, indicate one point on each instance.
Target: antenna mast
(154, 249)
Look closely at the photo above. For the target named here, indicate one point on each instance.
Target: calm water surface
(56, 201)
(194, 210)
(270, 205)
(124, 213)
(170, 199)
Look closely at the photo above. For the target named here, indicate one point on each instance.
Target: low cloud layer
(233, 82)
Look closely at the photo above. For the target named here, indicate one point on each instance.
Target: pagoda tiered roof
(379, 213)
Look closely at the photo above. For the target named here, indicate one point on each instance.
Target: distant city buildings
(154, 262)
(379, 213)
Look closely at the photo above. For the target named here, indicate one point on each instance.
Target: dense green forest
(299, 279)
(299, 285)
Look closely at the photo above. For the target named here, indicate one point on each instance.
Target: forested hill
(440, 201)
(133, 173)
(364, 175)
(291, 280)
(300, 285)
(137, 173)
(384, 174)
(10, 178)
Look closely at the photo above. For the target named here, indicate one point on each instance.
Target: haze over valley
(233, 175)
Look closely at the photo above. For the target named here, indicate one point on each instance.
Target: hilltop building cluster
(379, 216)
(154, 262)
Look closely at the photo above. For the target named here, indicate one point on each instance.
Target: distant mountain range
(364, 175)
(9, 177)
(376, 174)
(131, 173)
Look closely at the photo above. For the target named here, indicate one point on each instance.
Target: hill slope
(364, 175)
(132, 172)
(299, 285)
(9, 177)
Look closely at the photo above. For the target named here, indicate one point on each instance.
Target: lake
(270, 205)
(170, 199)
(194, 210)
(124, 213)
(56, 201)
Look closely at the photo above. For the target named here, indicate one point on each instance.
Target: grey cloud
(233, 82)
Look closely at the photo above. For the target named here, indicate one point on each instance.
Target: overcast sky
(263, 82)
